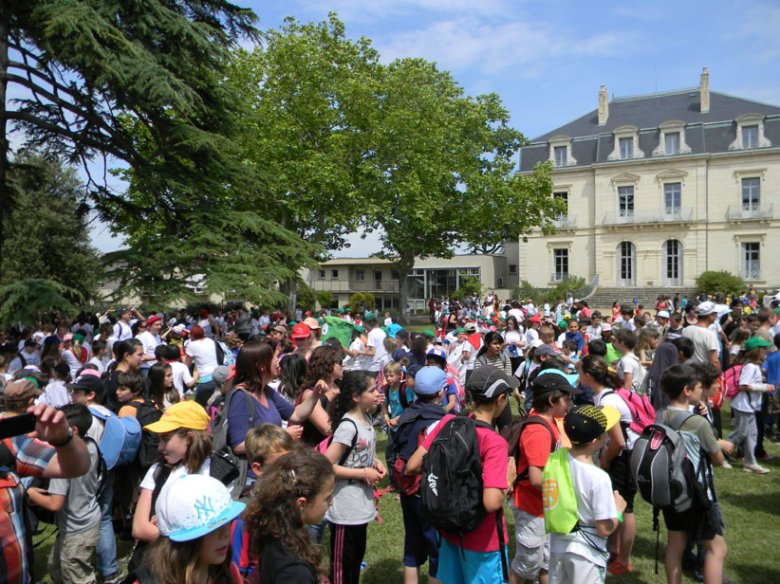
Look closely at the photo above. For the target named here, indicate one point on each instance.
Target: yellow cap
(185, 414)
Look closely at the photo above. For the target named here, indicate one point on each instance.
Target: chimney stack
(704, 91)
(604, 105)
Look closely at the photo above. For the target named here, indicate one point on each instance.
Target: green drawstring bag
(560, 501)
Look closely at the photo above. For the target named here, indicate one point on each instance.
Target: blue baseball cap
(437, 352)
(429, 380)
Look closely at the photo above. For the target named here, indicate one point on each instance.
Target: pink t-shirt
(494, 452)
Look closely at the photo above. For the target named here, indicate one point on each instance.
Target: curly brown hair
(321, 364)
(273, 514)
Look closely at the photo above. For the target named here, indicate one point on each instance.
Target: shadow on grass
(384, 572)
(752, 574)
(752, 502)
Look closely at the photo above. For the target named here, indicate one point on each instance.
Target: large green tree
(140, 85)
(308, 95)
(47, 231)
(442, 171)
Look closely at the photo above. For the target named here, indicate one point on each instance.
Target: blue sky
(547, 59)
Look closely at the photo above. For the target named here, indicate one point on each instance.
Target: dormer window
(750, 133)
(671, 143)
(626, 148)
(561, 155)
(671, 140)
(750, 136)
(626, 144)
(560, 151)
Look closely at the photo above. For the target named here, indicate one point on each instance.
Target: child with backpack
(467, 508)
(88, 390)
(398, 396)
(421, 540)
(699, 518)
(130, 393)
(194, 514)
(748, 401)
(581, 510)
(616, 456)
(352, 508)
(77, 510)
(295, 492)
(437, 357)
(538, 437)
(629, 370)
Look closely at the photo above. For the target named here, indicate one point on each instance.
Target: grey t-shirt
(697, 432)
(353, 500)
(81, 510)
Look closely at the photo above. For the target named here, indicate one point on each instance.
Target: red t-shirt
(494, 453)
(535, 442)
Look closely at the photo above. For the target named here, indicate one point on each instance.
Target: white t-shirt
(181, 376)
(748, 401)
(358, 362)
(122, 331)
(455, 358)
(148, 483)
(629, 363)
(203, 353)
(595, 502)
(593, 332)
(99, 363)
(150, 343)
(376, 338)
(704, 341)
(609, 398)
(55, 394)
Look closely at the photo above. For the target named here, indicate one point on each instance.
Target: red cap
(301, 331)
(153, 319)
(536, 318)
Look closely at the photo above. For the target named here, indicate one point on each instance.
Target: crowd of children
(290, 430)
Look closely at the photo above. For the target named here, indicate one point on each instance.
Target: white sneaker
(726, 464)
(755, 468)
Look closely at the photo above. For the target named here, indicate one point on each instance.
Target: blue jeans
(106, 546)
(203, 391)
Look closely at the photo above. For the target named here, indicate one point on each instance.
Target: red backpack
(729, 381)
(642, 411)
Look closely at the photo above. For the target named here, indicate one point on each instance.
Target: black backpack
(147, 414)
(451, 488)
(512, 433)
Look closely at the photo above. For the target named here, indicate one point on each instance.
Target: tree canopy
(141, 85)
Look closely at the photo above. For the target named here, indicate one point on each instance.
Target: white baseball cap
(663, 314)
(706, 308)
(191, 506)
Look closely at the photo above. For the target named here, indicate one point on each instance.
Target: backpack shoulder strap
(7, 454)
(680, 419)
(352, 445)
(160, 475)
(538, 421)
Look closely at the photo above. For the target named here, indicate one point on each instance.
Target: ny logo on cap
(204, 507)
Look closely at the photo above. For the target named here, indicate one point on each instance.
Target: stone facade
(661, 191)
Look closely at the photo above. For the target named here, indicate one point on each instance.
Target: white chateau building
(660, 188)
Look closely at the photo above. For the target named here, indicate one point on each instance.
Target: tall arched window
(626, 268)
(672, 263)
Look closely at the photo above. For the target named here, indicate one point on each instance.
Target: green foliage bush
(550, 295)
(722, 281)
(359, 298)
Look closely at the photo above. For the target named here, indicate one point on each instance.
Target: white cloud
(524, 47)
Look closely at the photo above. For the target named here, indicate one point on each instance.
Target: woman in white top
(202, 353)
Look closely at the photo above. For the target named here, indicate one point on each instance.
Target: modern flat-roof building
(659, 189)
(431, 277)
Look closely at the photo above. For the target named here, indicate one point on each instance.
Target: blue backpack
(121, 438)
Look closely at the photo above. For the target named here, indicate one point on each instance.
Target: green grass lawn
(750, 503)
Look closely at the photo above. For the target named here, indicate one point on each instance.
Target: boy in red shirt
(552, 398)
(477, 556)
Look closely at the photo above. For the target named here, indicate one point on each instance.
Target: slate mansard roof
(704, 132)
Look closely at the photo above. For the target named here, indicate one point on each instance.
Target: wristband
(620, 518)
(64, 442)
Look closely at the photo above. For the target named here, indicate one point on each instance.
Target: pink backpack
(642, 411)
(453, 378)
(730, 381)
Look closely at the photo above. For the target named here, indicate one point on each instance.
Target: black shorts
(699, 523)
(622, 481)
